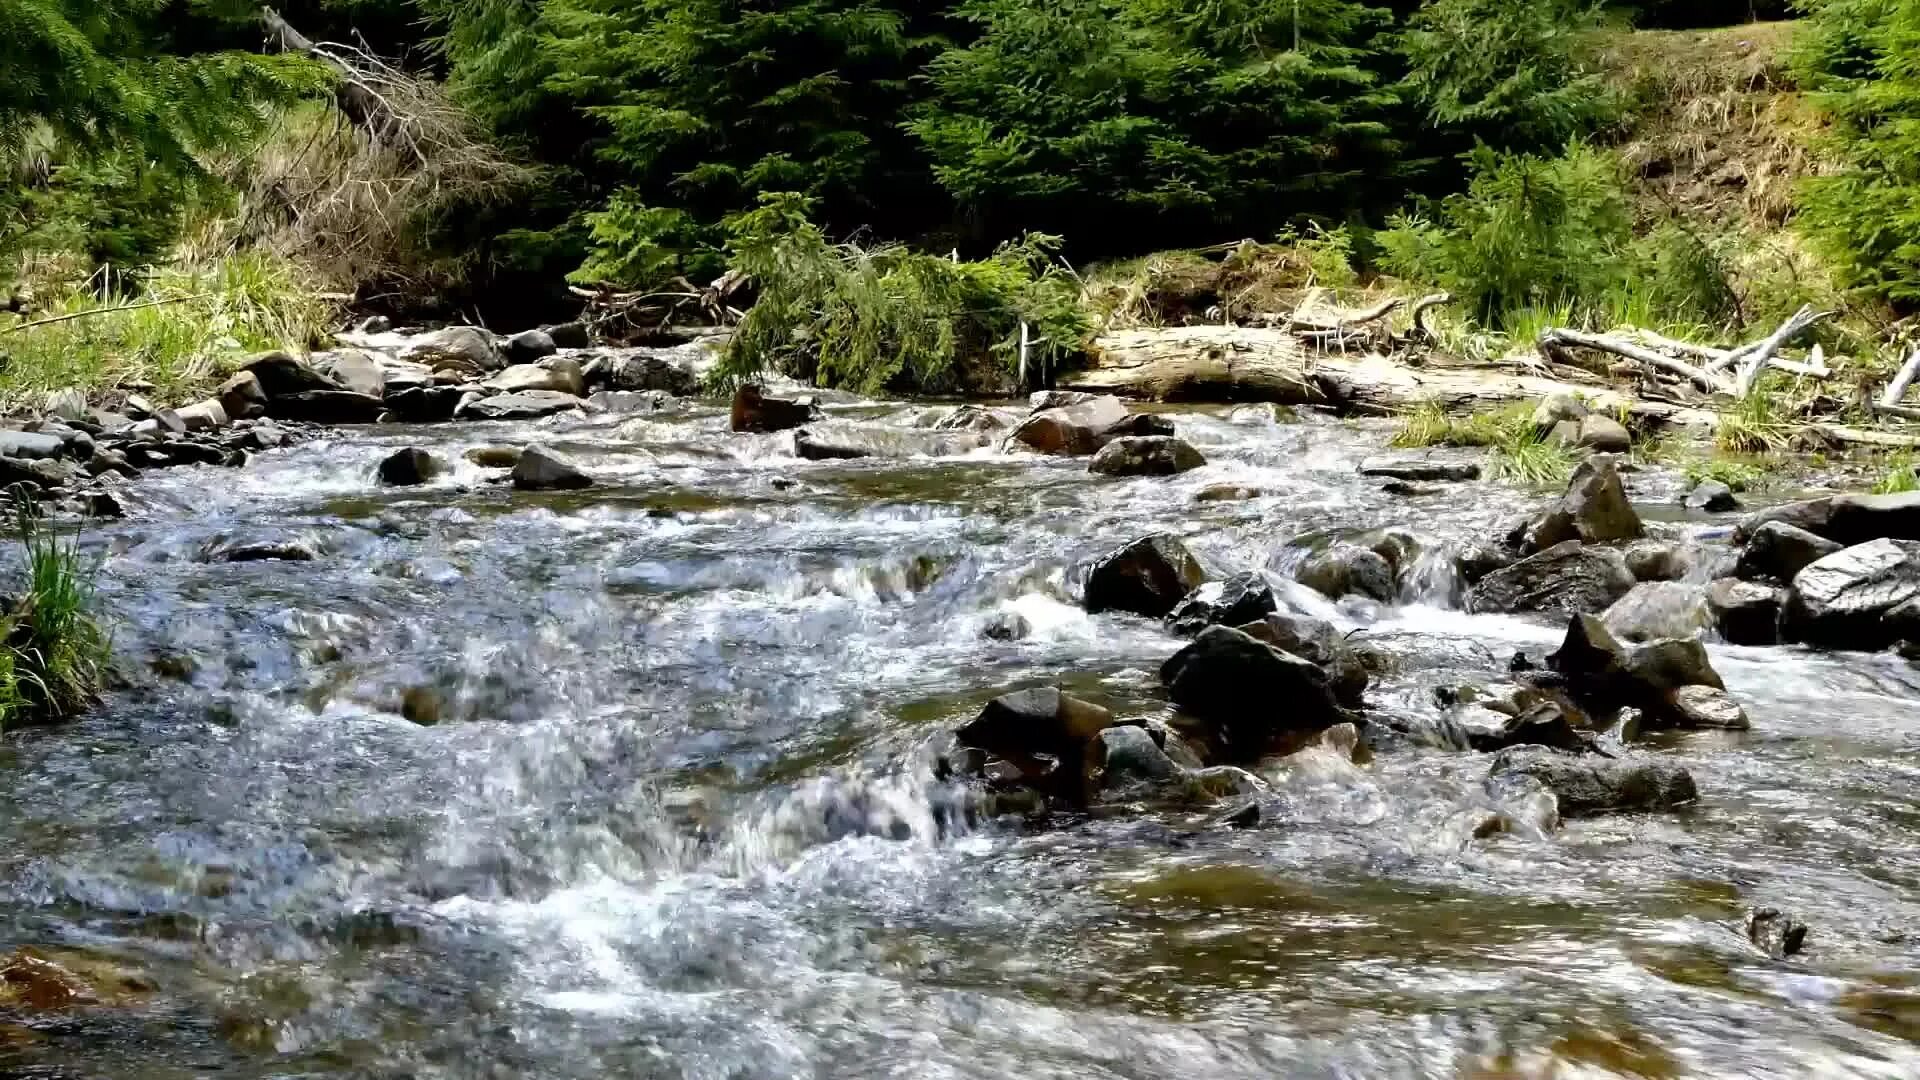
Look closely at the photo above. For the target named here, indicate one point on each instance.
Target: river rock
(1246, 693)
(1041, 400)
(1080, 428)
(1775, 932)
(570, 335)
(559, 376)
(525, 405)
(1594, 510)
(1027, 725)
(541, 468)
(37, 980)
(1242, 598)
(1474, 562)
(1657, 560)
(1776, 551)
(265, 550)
(30, 444)
(1150, 455)
(412, 465)
(461, 348)
(1712, 497)
(1605, 674)
(754, 411)
(632, 402)
(969, 418)
(674, 370)
(1316, 640)
(352, 369)
(279, 374)
(1566, 578)
(1603, 434)
(242, 396)
(206, 415)
(1149, 576)
(837, 439)
(494, 457)
(1546, 723)
(1659, 609)
(1588, 784)
(325, 407)
(530, 346)
(48, 474)
(1846, 519)
(1419, 465)
(1127, 754)
(1858, 597)
(424, 404)
(1346, 570)
(1746, 612)
(1706, 707)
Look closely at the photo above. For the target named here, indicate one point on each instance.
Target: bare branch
(1762, 351)
(1562, 337)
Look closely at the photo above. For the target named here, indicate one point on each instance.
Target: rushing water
(678, 816)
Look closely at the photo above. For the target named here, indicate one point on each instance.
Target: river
(676, 814)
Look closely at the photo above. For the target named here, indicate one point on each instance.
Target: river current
(639, 781)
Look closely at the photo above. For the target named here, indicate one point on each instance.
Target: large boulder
(1746, 612)
(754, 411)
(1246, 694)
(1084, 426)
(1146, 455)
(1317, 641)
(836, 439)
(354, 370)
(525, 405)
(1149, 576)
(1346, 570)
(559, 374)
(1567, 578)
(1660, 609)
(1603, 434)
(466, 349)
(530, 346)
(1545, 723)
(543, 469)
(30, 444)
(1594, 510)
(968, 418)
(1845, 519)
(1242, 598)
(1859, 597)
(1776, 551)
(279, 374)
(1028, 725)
(1603, 673)
(1588, 784)
(673, 370)
(424, 404)
(1126, 754)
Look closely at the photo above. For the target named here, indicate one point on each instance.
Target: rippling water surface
(675, 812)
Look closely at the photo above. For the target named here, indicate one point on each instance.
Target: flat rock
(466, 349)
(1078, 429)
(632, 402)
(541, 468)
(1419, 467)
(30, 444)
(1859, 597)
(424, 404)
(1588, 784)
(754, 410)
(1148, 576)
(1712, 497)
(1707, 707)
(1567, 578)
(279, 374)
(843, 439)
(525, 405)
(1146, 455)
(265, 550)
(354, 370)
(1777, 550)
(559, 374)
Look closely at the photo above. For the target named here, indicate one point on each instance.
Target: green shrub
(1514, 76)
(879, 318)
(1737, 475)
(53, 649)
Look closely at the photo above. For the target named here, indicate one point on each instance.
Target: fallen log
(1754, 364)
(1560, 338)
(1226, 363)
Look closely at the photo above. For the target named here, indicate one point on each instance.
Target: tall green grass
(1520, 452)
(53, 646)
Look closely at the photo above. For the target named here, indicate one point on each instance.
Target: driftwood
(1754, 364)
(1555, 342)
(1749, 361)
(1226, 363)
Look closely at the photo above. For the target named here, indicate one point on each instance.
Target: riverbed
(639, 781)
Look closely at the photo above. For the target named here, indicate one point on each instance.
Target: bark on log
(1225, 363)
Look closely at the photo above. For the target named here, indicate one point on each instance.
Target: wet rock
(1566, 578)
(754, 411)
(1348, 569)
(1151, 455)
(1605, 674)
(1746, 612)
(1242, 598)
(969, 418)
(1775, 932)
(494, 457)
(1244, 816)
(1246, 693)
(846, 439)
(1594, 510)
(242, 396)
(1077, 429)
(461, 348)
(1588, 784)
(1316, 641)
(354, 370)
(569, 335)
(1041, 400)
(1656, 560)
(1419, 465)
(525, 405)
(108, 461)
(1226, 493)
(1406, 490)
(1006, 626)
(1711, 496)
(541, 468)
(401, 375)
(325, 407)
(1776, 551)
(1028, 726)
(1477, 561)
(1848, 520)
(1129, 755)
(530, 346)
(48, 980)
(1149, 576)
(30, 444)
(409, 466)
(265, 550)
(1659, 609)
(206, 415)
(279, 374)
(1546, 723)
(559, 375)
(1603, 434)
(424, 404)
(1861, 597)
(168, 421)
(1221, 782)
(1258, 413)
(1706, 707)
(673, 371)
(627, 402)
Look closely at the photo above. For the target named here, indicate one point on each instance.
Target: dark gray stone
(412, 465)
(1776, 551)
(31, 444)
(1316, 641)
(1567, 578)
(1149, 576)
(1588, 784)
(1746, 612)
(1348, 569)
(1241, 598)
(847, 439)
(1594, 510)
(279, 374)
(543, 469)
(1712, 496)
(1129, 754)
(1660, 609)
(526, 405)
(1246, 693)
(325, 407)
(1775, 932)
(1027, 726)
(1847, 520)
(1419, 466)
(529, 346)
(1147, 455)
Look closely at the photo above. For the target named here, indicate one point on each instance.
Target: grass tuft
(53, 649)
(1900, 476)
(1520, 452)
